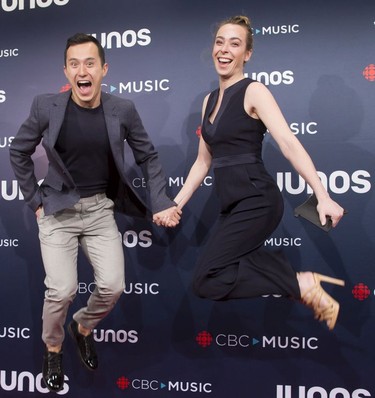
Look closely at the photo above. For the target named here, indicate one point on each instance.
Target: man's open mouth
(83, 84)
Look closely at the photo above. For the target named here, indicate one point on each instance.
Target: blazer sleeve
(147, 159)
(21, 150)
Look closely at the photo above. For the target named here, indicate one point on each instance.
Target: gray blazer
(58, 191)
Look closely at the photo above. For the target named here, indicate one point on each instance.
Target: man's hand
(38, 211)
(168, 218)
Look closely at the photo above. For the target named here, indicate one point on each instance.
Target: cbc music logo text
(128, 38)
(283, 242)
(289, 391)
(244, 341)
(123, 383)
(141, 86)
(26, 381)
(137, 288)
(11, 332)
(180, 181)
(172, 181)
(277, 29)
(303, 128)
(273, 78)
(9, 242)
(21, 5)
(9, 52)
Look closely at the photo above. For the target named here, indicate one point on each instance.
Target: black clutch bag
(308, 211)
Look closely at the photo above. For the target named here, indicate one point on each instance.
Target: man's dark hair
(81, 38)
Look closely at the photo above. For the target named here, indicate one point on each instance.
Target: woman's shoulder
(254, 84)
(258, 96)
(256, 88)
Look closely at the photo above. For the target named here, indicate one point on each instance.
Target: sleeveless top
(233, 132)
(235, 140)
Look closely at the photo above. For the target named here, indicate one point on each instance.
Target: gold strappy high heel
(313, 297)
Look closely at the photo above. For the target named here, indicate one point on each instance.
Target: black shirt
(84, 147)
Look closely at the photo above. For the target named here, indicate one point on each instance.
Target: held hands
(329, 208)
(37, 212)
(168, 218)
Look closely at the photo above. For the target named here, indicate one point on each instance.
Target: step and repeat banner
(318, 59)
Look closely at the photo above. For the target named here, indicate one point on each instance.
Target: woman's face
(229, 51)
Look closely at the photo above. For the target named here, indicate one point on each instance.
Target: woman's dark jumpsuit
(234, 263)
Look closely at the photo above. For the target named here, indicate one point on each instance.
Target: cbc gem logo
(123, 383)
(361, 291)
(369, 73)
(204, 339)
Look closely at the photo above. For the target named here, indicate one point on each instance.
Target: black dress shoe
(86, 347)
(53, 374)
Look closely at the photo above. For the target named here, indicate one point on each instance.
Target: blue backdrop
(318, 59)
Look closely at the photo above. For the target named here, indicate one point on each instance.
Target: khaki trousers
(91, 225)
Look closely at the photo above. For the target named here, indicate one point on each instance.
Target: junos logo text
(2, 96)
(26, 381)
(119, 336)
(129, 38)
(20, 5)
(288, 391)
(338, 182)
(273, 78)
(133, 239)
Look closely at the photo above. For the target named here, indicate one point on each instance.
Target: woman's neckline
(231, 85)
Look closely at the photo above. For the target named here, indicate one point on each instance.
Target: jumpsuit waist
(233, 160)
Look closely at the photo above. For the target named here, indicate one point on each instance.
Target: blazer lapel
(113, 128)
(57, 114)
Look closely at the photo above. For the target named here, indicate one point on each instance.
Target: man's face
(85, 73)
